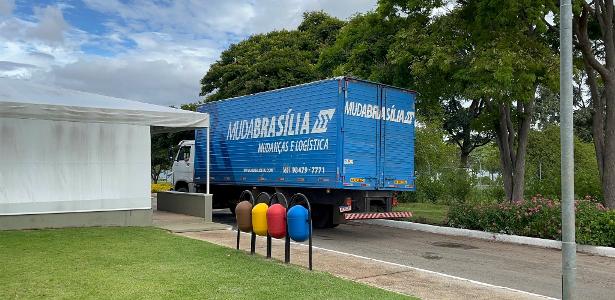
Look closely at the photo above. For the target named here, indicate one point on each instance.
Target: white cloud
(6, 7)
(155, 51)
(51, 25)
(16, 70)
(159, 70)
(218, 17)
(158, 82)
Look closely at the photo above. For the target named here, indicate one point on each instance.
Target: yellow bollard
(259, 219)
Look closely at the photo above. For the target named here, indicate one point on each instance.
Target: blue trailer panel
(339, 133)
(397, 151)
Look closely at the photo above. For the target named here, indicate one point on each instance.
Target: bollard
(299, 222)
(243, 214)
(276, 221)
(259, 225)
(259, 219)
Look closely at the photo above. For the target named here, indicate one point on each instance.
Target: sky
(150, 51)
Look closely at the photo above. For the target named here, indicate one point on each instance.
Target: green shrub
(486, 195)
(451, 187)
(457, 185)
(594, 226)
(542, 174)
(429, 189)
(538, 217)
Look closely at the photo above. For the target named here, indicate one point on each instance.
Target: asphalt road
(527, 268)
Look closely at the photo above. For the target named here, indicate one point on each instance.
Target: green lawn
(146, 263)
(428, 213)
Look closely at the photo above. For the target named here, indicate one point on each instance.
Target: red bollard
(276, 221)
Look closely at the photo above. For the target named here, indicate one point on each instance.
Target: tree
(163, 144)
(269, 61)
(496, 53)
(437, 53)
(486, 159)
(515, 59)
(361, 51)
(544, 165)
(321, 27)
(546, 110)
(436, 167)
(594, 29)
(464, 127)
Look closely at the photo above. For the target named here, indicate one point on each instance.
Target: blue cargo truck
(347, 144)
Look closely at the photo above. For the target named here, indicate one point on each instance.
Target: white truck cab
(183, 167)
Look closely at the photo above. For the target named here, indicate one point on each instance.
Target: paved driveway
(527, 268)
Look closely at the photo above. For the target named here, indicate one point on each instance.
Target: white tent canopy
(65, 151)
(26, 100)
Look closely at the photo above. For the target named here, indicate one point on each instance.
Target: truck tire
(182, 189)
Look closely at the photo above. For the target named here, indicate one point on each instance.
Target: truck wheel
(182, 189)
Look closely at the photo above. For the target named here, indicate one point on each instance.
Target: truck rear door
(397, 139)
(361, 135)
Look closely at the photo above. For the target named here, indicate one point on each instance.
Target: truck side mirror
(171, 153)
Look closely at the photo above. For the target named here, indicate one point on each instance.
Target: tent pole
(207, 160)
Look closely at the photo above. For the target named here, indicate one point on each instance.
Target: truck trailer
(346, 143)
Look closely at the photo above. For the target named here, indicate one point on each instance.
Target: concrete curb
(498, 237)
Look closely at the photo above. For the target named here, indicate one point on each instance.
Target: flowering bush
(538, 217)
(161, 187)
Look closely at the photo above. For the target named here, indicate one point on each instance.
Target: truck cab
(183, 167)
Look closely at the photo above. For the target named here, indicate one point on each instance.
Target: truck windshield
(184, 153)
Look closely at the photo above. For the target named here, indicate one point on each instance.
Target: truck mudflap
(377, 215)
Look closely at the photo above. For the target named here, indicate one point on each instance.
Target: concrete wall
(193, 204)
(136, 217)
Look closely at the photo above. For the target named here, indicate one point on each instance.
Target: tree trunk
(512, 144)
(597, 117)
(603, 123)
(502, 139)
(507, 171)
(155, 175)
(608, 175)
(465, 148)
(463, 159)
(525, 113)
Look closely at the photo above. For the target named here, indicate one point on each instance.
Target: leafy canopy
(269, 61)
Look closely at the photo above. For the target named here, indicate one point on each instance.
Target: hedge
(538, 217)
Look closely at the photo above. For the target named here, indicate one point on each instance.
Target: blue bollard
(298, 223)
